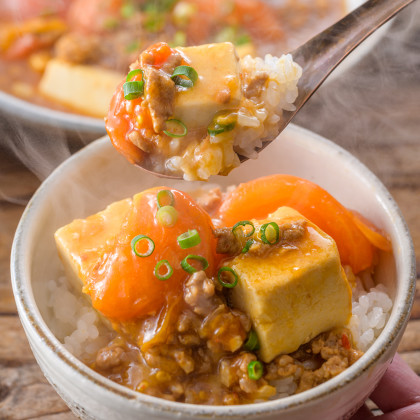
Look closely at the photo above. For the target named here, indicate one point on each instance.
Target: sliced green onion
(229, 285)
(133, 73)
(167, 216)
(179, 39)
(223, 121)
(245, 223)
(255, 370)
(177, 124)
(189, 268)
(110, 23)
(189, 239)
(243, 39)
(127, 10)
(264, 233)
(133, 90)
(133, 46)
(165, 198)
(216, 128)
(252, 342)
(184, 71)
(169, 270)
(137, 239)
(248, 244)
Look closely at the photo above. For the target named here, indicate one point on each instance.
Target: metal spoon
(323, 53)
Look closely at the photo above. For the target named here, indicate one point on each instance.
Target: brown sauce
(204, 359)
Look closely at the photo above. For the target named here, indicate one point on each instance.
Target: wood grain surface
(373, 111)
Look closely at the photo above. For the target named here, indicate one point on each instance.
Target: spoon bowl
(319, 56)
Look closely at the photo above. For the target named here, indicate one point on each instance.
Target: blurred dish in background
(68, 56)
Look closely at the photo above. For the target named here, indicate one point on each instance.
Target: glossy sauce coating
(123, 286)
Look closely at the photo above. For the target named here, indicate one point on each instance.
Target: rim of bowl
(28, 310)
(39, 114)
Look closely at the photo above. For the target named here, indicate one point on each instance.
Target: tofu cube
(81, 243)
(218, 86)
(86, 89)
(294, 292)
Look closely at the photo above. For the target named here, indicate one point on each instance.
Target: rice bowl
(295, 147)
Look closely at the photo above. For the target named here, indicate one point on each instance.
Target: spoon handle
(322, 54)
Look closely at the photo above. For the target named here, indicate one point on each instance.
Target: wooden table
(373, 111)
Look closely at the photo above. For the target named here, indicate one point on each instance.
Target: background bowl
(98, 175)
(85, 125)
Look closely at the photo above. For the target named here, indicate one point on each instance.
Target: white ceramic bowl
(98, 175)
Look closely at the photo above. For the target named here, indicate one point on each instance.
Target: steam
(364, 110)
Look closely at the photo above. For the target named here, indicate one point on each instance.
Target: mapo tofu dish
(190, 111)
(221, 298)
(71, 54)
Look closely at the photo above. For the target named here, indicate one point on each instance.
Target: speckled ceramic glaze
(97, 176)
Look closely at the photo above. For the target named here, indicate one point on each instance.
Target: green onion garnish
(165, 198)
(189, 268)
(223, 121)
(167, 216)
(248, 244)
(252, 342)
(189, 239)
(133, 90)
(137, 239)
(216, 128)
(229, 285)
(127, 10)
(264, 233)
(133, 73)
(245, 223)
(177, 124)
(255, 370)
(169, 270)
(243, 39)
(133, 46)
(186, 72)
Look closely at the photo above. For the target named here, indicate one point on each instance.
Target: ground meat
(77, 48)
(223, 96)
(202, 360)
(292, 231)
(288, 233)
(321, 359)
(223, 330)
(159, 93)
(109, 357)
(227, 242)
(142, 143)
(198, 292)
(173, 61)
(283, 367)
(234, 375)
(254, 85)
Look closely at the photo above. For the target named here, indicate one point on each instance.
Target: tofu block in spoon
(218, 87)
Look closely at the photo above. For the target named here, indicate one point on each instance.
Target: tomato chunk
(123, 286)
(356, 240)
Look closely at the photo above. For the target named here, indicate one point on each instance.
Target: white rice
(257, 123)
(75, 322)
(370, 312)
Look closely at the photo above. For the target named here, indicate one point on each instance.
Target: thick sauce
(111, 33)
